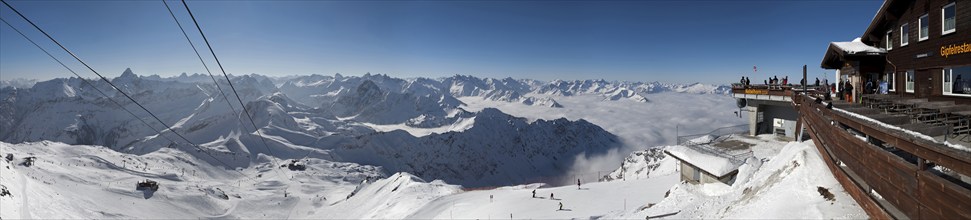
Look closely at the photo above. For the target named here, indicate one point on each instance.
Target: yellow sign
(954, 49)
(757, 91)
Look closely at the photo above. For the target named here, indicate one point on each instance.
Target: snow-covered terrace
(894, 165)
(933, 124)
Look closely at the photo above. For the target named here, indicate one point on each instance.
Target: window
(924, 28)
(904, 34)
(889, 45)
(948, 23)
(910, 81)
(947, 81)
(891, 81)
(957, 81)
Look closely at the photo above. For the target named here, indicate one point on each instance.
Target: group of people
(745, 81)
(551, 195)
(876, 87)
(872, 86)
(846, 91)
(774, 80)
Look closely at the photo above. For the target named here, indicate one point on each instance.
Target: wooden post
(804, 79)
(798, 132)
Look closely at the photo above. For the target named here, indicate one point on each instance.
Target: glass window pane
(961, 83)
(949, 18)
(890, 81)
(924, 27)
(889, 41)
(904, 34)
(910, 81)
(947, 81)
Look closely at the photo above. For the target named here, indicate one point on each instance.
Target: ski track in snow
(25, 208)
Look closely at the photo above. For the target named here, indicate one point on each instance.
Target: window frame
(904, 42)
(889, 39)
(943, 31)
(945, 72)
(910, 81)
(945, 80)
(891, 80)
(920, 29)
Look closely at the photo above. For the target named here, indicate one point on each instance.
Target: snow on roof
(857, 46)
(955, 146)
(713, 164)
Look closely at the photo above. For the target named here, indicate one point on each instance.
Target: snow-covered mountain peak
(492, 113)
(369, 89)
(17, 83)
(128, 73)
(126, 77)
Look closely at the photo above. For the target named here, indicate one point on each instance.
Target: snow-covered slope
(498, 149)
(447, 142)
(624, 93)
(76, 181)
(794, 182)
(598, 200)
(351, 132)
(545, 102)
(369, 103)
(79, 181)
(394, 197)
(644, 164)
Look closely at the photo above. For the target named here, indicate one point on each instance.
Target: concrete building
(769, 109)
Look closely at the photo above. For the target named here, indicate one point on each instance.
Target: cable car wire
(115, 87)
(227, 77)
(86, 81)
(200, 59)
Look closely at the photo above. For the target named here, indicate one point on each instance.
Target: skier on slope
(578, 184)
(551, 196)
(534, 193)
(561, 206)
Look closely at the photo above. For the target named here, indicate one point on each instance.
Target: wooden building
(924, 51)
(700, 166)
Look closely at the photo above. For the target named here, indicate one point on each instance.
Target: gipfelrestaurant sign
(955, 49)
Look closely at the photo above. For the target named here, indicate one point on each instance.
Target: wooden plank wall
(856, 191)
(909, 187)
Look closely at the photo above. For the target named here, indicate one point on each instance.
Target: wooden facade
(926, 58)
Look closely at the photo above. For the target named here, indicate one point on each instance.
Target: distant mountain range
(327, 117)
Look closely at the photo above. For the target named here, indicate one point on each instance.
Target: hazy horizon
(110, 75)
(678, 42)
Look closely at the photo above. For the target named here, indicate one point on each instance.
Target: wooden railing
(763, 90)
(906, 186)
(776, 90)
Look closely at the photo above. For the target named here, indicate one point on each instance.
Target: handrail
(718, 132)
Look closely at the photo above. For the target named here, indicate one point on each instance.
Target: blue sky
(668, 41)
